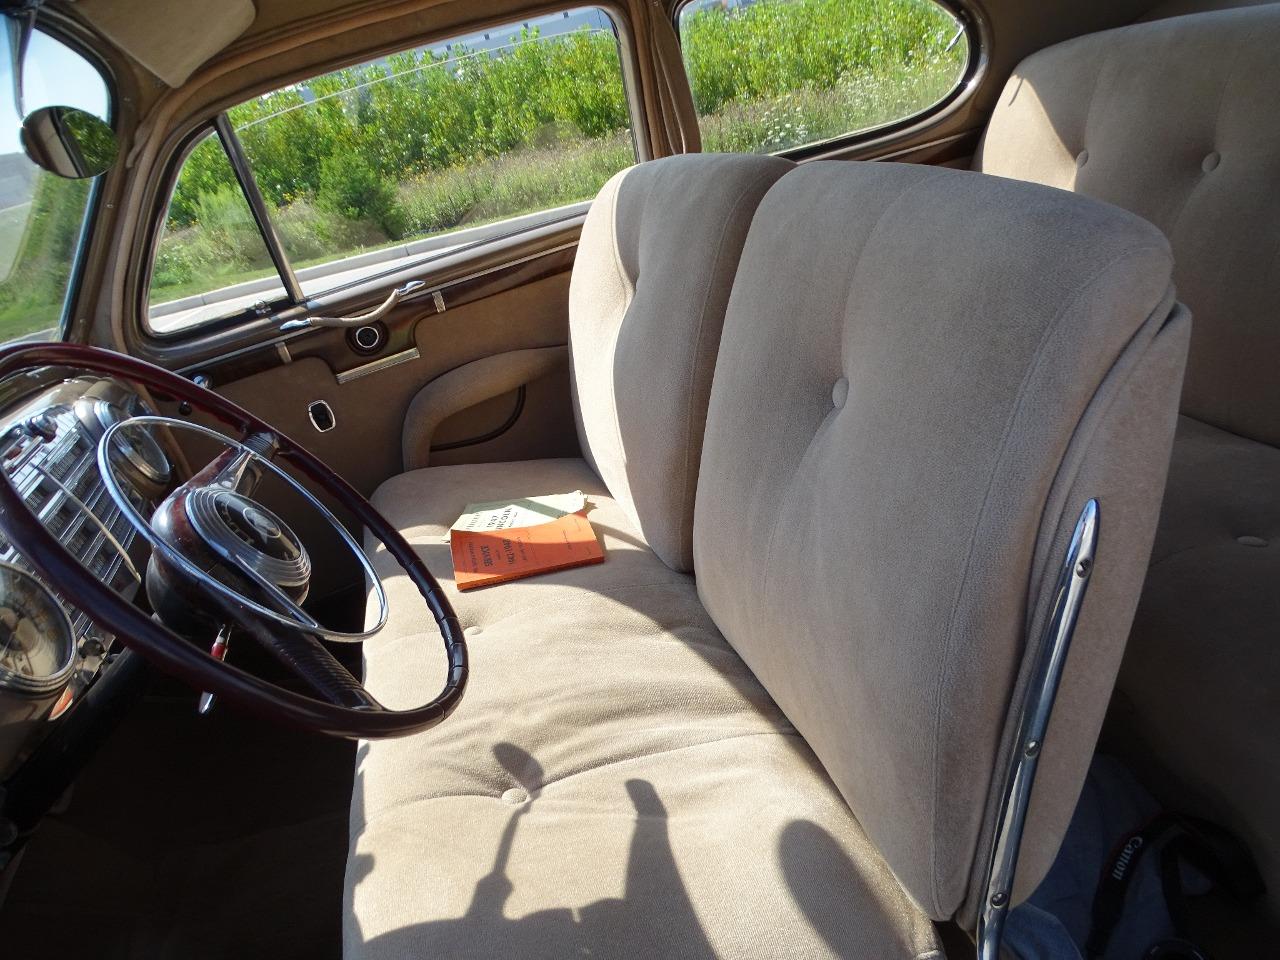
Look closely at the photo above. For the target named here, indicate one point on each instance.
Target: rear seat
(1177, 120)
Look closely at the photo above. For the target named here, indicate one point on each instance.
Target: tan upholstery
(617, 782)
(465, 386)
(644, 324)
(868, 515)
(1176, 120)
(1200, 687)
(673, 813)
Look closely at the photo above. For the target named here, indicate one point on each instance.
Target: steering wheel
(230, 560)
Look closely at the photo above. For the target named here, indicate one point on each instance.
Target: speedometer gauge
(37, 642)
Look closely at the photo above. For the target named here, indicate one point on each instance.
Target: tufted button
(472, 631)
(1082, 158)
(1251, 541)
(515, 796)
(1211, 161)
(840, 393)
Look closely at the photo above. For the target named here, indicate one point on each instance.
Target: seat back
(646, 303)
(1175, 120)
(923, 376)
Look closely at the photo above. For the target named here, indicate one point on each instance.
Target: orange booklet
(485, 557)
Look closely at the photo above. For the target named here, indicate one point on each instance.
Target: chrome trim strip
(505, 265)
(301, 620)
(258, 206)
(377, 366)
(97, 521)
(1033, 722)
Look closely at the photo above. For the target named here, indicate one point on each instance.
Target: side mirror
(69, 142)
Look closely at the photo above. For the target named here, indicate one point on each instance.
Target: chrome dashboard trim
(377, 366)
(32, 686)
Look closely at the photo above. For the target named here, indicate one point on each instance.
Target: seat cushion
(1199, 693)
(615, 782)
(404, 500)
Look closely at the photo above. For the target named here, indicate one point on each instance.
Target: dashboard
(51, 652)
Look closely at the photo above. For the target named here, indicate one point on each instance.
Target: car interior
(911, 361)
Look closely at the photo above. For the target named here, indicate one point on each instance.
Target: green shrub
(775, 47)
(309, 233)
(350, 188)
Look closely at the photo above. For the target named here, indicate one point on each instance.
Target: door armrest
(464, 387)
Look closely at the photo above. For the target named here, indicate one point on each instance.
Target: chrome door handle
(361, 319)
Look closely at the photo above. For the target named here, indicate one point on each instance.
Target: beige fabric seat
(1176, 120)
(616, 783)
(922, 377)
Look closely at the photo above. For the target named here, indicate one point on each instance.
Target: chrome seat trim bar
(1033, 722)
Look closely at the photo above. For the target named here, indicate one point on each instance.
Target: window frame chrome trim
(1033, 715)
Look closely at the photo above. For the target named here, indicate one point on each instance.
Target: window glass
(370, 167)
(211, 260)
(769, 75)
(41, 215)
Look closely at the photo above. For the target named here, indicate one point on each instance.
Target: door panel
(369, 411)
(364, 445)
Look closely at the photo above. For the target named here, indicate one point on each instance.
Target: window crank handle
(359, 320)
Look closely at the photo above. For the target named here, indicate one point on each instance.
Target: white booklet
(519, 512)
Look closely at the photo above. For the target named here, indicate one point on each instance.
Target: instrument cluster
(50, 651)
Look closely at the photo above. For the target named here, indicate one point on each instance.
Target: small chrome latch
(321, 416)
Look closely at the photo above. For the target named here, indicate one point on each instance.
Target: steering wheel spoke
(306, 658)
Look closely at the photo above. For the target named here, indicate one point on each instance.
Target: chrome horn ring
(298, 619)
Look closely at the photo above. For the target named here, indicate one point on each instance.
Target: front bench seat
(1176, 120)
(922, 377)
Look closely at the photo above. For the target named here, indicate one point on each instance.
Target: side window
(770, 75)
(372, 167)
(41, 215)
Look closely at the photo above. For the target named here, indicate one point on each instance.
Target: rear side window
(367, 169)
(771, 75)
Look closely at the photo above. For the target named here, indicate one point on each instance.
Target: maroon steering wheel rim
(166, 649)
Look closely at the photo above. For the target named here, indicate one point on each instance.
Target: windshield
(41, 215)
